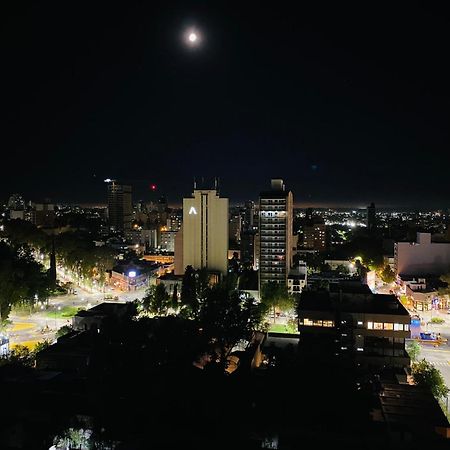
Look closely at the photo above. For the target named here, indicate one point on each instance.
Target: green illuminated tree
(413, 349)
(22, 279)
(20, 355)
(387, 274)
(275, 296)
(425, 374)
(65, 329)
(157, 301)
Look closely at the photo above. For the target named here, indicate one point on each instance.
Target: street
(29, 329)
(438, 356)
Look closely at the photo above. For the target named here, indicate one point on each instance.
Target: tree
(248, 279)
(425, 374)
(228, 316)
(343, 269)
(20, 355)
(65, 329)
(41, 346)
(387, 274)
(22, 279)
(444, 290)
(157, 300)
(413, 349)
(275, 295)
(174, 304)
(189, 292)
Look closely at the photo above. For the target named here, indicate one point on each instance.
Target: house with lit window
(371, 328)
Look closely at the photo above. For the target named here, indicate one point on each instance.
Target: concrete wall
(422, 257)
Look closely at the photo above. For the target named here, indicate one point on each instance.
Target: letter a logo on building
(192, 211)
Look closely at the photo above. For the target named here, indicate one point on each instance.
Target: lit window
(359, 322)
(343, 348)
(370, 325)
(317, 323)
(328, 323)
(388, 326)
(398, 326)
(378, 325)
(359, 349)
(406, 327)
(307, 322)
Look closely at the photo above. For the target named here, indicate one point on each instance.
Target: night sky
(348, 104)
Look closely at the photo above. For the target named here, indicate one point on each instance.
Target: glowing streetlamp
(57, 309)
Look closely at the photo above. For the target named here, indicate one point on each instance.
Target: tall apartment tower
(205, 230)
(371, 217)
(120, 207)
(275, 233)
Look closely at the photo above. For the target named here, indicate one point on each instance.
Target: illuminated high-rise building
(205, 230)
(275, 233)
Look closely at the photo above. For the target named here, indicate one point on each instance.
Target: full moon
(192, 37)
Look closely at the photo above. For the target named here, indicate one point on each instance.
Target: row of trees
(74, 250)
(22, 280)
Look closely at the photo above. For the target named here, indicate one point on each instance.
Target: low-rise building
(93, 318)
(170, 281)
(4, 345)
(371, 328)
(297, 278)
(422, 256)
(128, 277)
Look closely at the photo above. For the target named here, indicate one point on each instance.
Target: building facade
(422, 257)
(370, 328)
(167, 241)
(205, 231)
(314, 237)
(120, 208)
(371, 221)
(275, 233)
(297, 278)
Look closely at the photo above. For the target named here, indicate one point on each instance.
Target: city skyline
(347, 104)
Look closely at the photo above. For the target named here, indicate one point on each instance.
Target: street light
(57, 309)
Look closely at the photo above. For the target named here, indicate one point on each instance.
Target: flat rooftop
(348, 302)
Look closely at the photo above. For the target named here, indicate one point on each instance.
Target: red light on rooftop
(153, 187)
